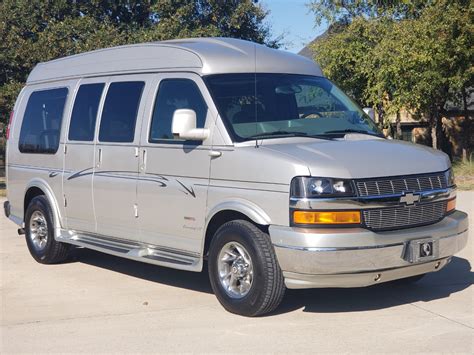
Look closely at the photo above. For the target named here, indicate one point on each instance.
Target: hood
(363, 158)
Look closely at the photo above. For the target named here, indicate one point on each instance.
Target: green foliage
(399, 55)
(426, 60)
(345, 55)
(345, 11)
(33, 31)
(183, 18)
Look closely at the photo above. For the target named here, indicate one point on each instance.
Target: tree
(184, 18)
(407, 55)
(346, 56)
(37, 31)
(426, 62)
(345, 11)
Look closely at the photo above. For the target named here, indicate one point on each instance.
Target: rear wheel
(39, 233)
(243, 269)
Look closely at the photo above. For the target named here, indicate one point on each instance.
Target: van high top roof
(201, 55)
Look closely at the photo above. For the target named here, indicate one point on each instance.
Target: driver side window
(174, 94)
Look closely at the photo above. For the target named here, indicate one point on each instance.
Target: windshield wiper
(360, 131)
(277, 134)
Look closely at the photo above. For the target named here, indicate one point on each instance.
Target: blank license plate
(422, 250)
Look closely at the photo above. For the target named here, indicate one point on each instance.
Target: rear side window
(41, 126)
(84, 113)
(174, 94)
(120, 111)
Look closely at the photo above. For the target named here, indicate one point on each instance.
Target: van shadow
(196, 281)
(455, 277)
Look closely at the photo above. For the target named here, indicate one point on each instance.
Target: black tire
(53, 252)
(267, 289)
(409, 280)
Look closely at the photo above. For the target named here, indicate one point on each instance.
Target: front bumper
(352, 257)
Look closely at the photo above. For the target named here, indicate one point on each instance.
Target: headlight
(449, 177)
(314, 187)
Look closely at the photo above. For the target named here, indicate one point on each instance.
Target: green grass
(464, 174)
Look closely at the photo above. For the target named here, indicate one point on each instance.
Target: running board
(147, 253)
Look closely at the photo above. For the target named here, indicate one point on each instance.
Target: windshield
(274, 105)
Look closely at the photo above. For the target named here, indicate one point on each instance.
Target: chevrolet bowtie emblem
(409, 198)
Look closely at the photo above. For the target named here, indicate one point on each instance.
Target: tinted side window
(120, 111)
(41, 126)
(84, 113)
(174, 94)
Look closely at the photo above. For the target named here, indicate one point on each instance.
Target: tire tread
(57, 252)
(274, 287)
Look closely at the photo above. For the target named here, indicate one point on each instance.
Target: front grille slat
(400, 185)
(404, 216)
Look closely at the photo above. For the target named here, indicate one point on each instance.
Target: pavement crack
(94, 316)
(441, 316)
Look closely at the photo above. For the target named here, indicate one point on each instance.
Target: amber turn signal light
(451, 205)
(326, 217)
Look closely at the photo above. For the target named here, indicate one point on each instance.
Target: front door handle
(214, 154)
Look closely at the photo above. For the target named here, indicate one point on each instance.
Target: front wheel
(243, 269)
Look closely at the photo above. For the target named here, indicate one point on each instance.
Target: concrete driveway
(100, 303)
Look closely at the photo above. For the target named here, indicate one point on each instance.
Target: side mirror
(183, 126)
(370, 112)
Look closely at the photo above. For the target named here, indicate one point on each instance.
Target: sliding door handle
(99, 158)
(143, 164)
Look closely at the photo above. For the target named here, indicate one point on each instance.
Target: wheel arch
(39, 187)
(232, 210)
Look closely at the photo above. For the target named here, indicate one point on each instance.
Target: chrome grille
(400, 184)
(404, 216)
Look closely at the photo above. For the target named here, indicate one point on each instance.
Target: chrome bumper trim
(301, 281)
(352, 248)
(288, 237)
(335, 249)
(355, 260)
(330, 253)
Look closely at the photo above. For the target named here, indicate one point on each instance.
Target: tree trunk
(434, 139)
(399, 126)
(436, 124)
(434, 130)
(381, 114)
(466, 127)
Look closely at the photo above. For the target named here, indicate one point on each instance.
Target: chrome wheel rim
(38, 230)
(235, 270)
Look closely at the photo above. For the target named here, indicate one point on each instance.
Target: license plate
(422, 250)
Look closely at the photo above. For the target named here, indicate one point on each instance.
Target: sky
(292, 18)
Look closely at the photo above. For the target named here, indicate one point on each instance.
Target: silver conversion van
(222, 151)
